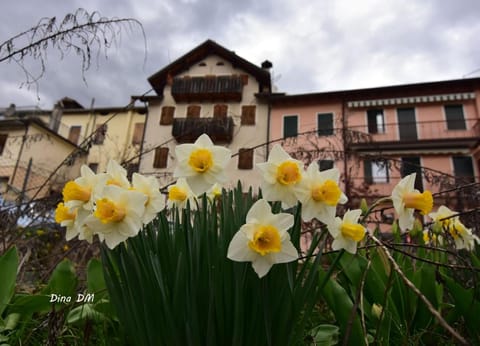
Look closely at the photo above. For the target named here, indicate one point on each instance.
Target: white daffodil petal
(261, 266)
(237, 251)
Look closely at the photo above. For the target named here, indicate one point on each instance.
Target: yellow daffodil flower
(406, 199)
(264, 239)
(281, 177)
(117, 215)
(150, 188)
(81, 191)
(348, 232)
(179, 194)
(117, 175)
(202, 164)
(319, 193)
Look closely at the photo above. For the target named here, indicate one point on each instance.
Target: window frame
(454, 124)
(376, 127)
(160, 157)
(325, 131)
(290, 116)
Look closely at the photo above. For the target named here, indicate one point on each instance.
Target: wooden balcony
(419, 135)
(211, 88)
(187, 130)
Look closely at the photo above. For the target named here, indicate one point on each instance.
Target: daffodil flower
(430, 238)
(80, 193)
(117, 215)
(264, 239)
(348, 232)
(319, 193)
(150, 188)
(202, 164)
(74, 222)
(281, 177)
(214, 192)
(406, 199)
(180, 194)
(117, 175)
(463, 236)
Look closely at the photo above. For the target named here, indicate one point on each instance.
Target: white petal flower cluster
(107, 205)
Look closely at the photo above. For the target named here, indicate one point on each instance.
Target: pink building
(376, 136)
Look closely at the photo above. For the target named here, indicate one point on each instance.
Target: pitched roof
(209, 47)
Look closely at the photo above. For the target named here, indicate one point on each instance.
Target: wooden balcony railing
(463, 133)
(214, 88)
(187, 130)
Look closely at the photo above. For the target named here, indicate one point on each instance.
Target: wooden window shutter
(244, 78)
(167, 115)
(3, 141)
(161, 158)
(74, 134)
(100, 133)
(367, 171)
(193, 111)
(220, 111)
(245, 158)
(138, 133)
(248, 115)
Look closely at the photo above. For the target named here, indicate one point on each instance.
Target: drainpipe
(269, 109)
(346, 148)
(147, 108)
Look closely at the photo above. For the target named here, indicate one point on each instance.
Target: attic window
(202, 64)
(220, 63)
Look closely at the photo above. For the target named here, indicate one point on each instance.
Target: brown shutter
(248, 115)
(74, 134)
(3, 140)
(167, 115)
(193, 111)
(100, 133)
(138, 133)
(161, 157)
(245, 158)
(220, 111)
(244, 78)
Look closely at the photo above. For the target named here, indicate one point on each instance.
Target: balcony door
(407, 126)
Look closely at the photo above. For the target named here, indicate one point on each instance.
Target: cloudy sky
(314, 45)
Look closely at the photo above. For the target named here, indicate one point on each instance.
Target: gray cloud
(314, 45)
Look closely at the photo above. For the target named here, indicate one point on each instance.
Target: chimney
(11, 110)
(56, 117)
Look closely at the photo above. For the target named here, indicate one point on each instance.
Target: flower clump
(109, 206)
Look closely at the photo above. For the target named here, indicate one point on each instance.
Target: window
(413, 165)
(455, 118)
(193, 111)
(100, 132)
(290, 126)
(245, 158)
(323, 165)
(74, 134)
(93, 166)
(220, 111)
(3, 184)
(161, 158)
(375, 120)
(167, 115)
(3, 141)
(463, 169)
(407, 127)
(138, 133)
(376, 171)
(325, 124)
(248, 115)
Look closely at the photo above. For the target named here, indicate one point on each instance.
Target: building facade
(377, 136)
(208, 90)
